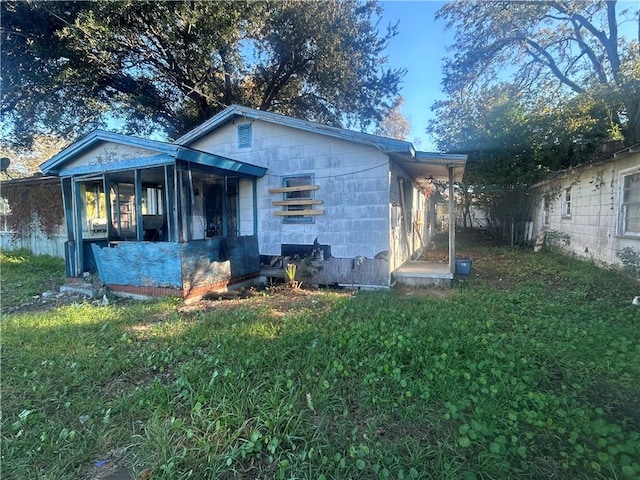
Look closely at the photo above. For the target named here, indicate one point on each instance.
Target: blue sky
(420, 46)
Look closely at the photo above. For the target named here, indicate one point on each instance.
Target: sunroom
(155, 218)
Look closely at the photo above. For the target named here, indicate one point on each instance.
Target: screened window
(566, 203)
(244, 135)
(631, 204)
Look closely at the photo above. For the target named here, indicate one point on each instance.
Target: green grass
(528, 369)
(25, 275)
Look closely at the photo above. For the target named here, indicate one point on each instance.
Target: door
(221, 208)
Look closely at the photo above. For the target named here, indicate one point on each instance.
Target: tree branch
(541, 55)
(597, 63)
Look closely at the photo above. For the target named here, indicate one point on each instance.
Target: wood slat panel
(301, 188)
(303, 213)
(302, 201)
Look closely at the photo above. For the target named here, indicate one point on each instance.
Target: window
(630, 208)
(566, 203)
(244, 135)
(298, 197)
(152, 198)
(94, 210)
(546, 211)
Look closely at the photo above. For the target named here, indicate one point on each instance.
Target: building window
(630, 208)
(298, 197)
(566, 203)
(94, 210)
(244, 135)
(546, 212)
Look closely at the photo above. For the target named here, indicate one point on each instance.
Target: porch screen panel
(94, 216)
(123, 210)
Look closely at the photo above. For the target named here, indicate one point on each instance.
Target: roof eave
(223, 164)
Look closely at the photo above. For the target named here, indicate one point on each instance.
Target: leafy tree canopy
(394, 124)
(552, 52)
(25, 163)
(533, 87)
(69, 67)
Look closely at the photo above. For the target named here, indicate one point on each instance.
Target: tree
(26, 163)
(551, 51)
(510, 146)
(394, 124)
(69, 67)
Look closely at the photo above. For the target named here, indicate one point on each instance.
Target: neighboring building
(592, 210)
(31, 216)
(200, 213)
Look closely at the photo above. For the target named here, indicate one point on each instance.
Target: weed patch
(528, 369)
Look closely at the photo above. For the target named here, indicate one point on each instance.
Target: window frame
(566, 203)
(624, 205)
(305, 194)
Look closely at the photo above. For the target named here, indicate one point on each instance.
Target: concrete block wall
(353, 182)
(37, 243)
(593, 226)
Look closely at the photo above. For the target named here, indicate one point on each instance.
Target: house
(200, 213)
(593, 210)
(31, 216)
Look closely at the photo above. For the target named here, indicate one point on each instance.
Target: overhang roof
(167, 153)
(427, 166)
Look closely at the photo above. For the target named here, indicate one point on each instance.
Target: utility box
(463, 266)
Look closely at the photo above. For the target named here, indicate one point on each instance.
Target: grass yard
(529, 368)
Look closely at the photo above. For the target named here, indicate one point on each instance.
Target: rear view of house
(200, 213)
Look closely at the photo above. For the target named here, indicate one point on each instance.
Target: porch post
(254, 183)
(67, 201)
(77, 228)
(452, 223)
(170, 207)
(138, 199)
(225, 203)
(106, 185)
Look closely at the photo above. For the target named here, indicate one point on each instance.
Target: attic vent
(244, 135)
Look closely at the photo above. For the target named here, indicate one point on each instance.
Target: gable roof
(387, 145)
(52, 166)
(421, 165)
(167, 153)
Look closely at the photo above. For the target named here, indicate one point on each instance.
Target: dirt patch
(280, 300)
(50, 300)
(620, 404)
(110, 466)
(405, 291)
(86, 289)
